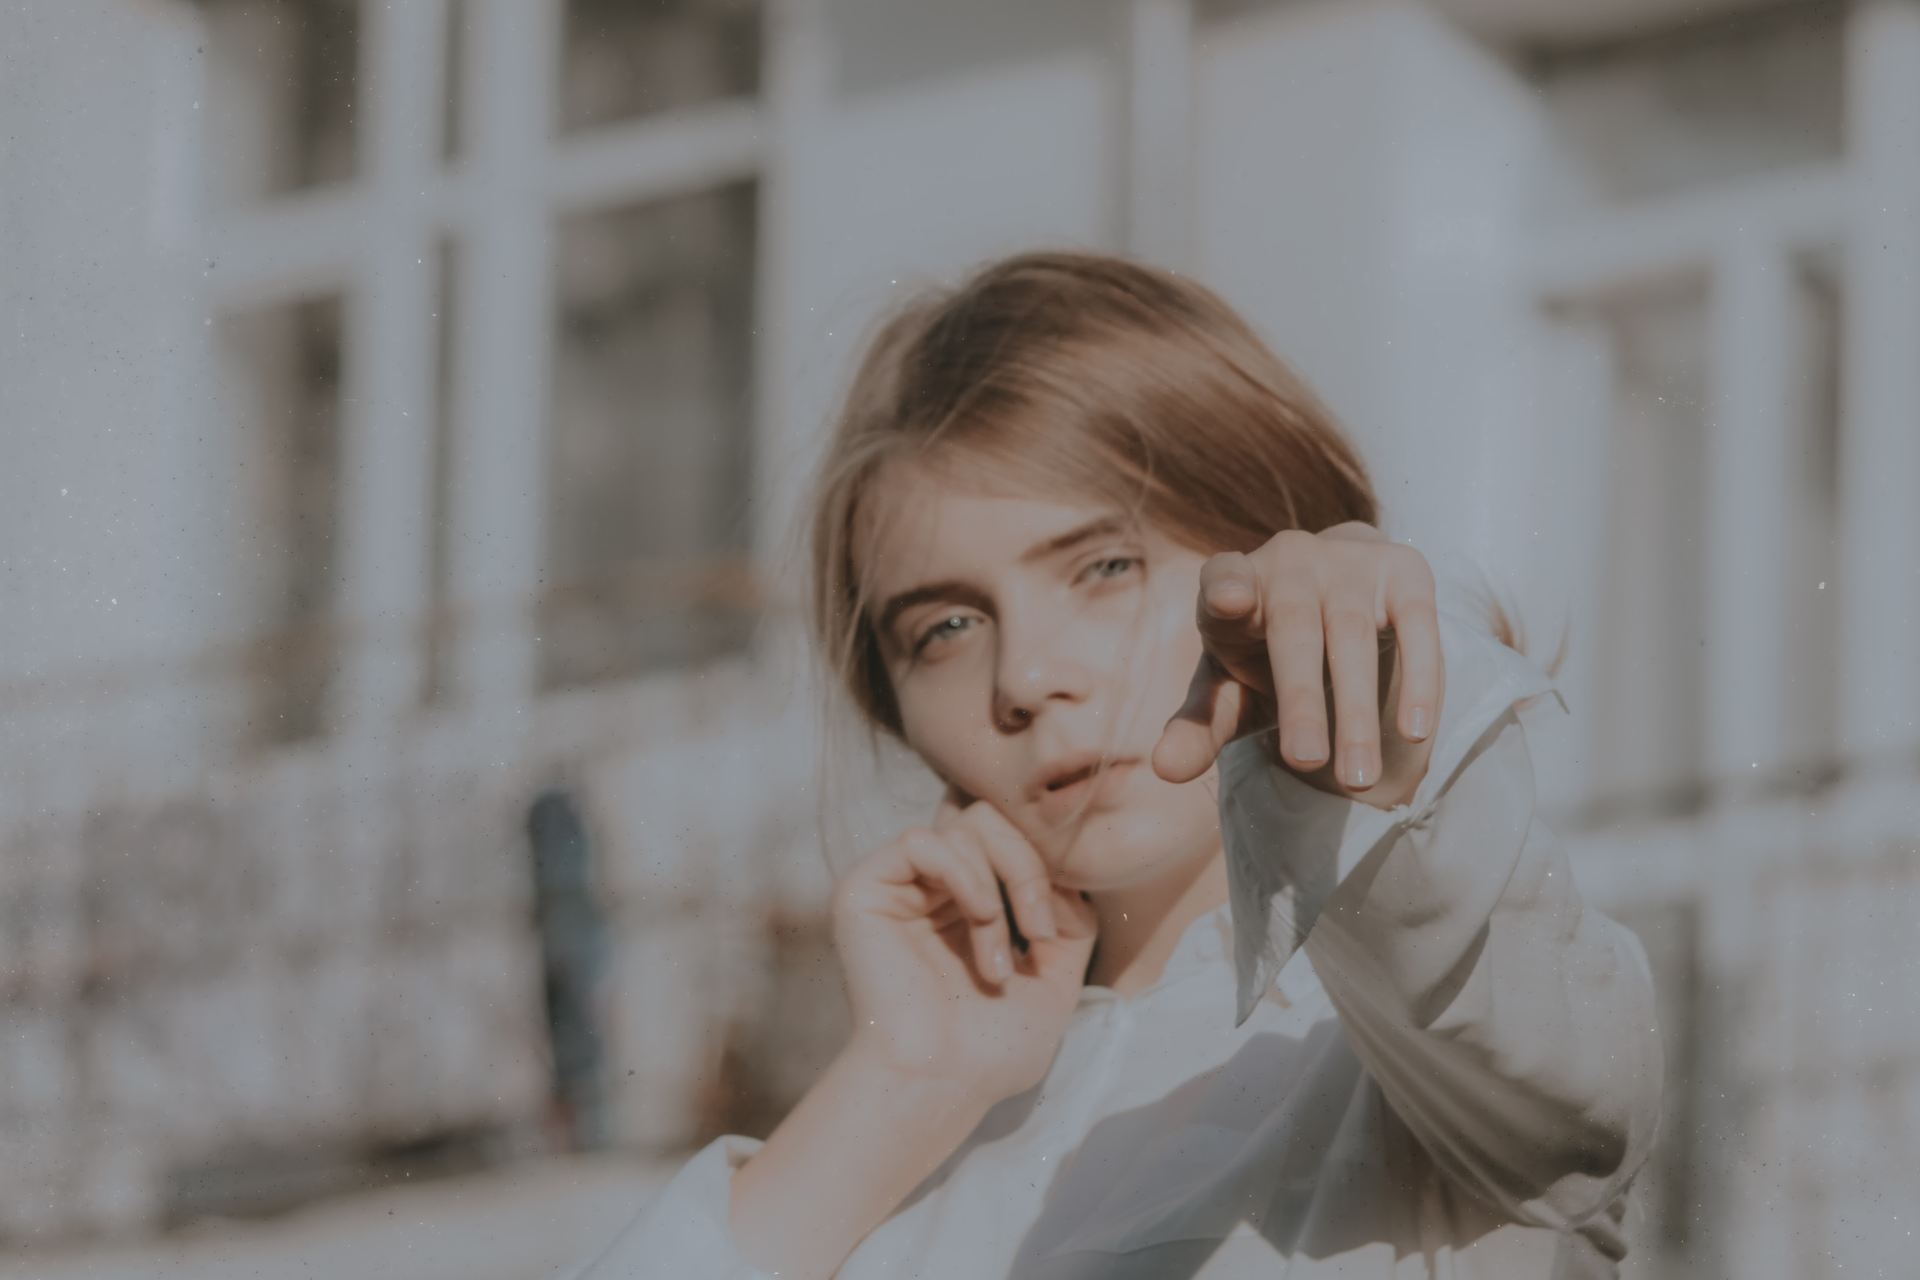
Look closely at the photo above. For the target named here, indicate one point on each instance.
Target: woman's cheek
(938, 731)
(1166, 662)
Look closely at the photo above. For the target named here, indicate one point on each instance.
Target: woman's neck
(1140, 924)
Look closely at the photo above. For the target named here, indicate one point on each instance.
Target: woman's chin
(1113, 851)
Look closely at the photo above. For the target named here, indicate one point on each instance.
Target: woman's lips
(1092, 790)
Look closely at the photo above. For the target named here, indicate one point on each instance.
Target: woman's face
(1027, 637)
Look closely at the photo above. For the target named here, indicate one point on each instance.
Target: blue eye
(1111, 566)
(941, 630)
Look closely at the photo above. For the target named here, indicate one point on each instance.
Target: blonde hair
(1108, 378)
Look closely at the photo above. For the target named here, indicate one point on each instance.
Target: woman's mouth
(1088, 787)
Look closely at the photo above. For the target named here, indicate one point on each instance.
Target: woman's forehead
(919, 522)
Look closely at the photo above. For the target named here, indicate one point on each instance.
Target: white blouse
(1459, 1079)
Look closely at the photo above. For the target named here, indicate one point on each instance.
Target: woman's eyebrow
(954, 589)
(1099, 527)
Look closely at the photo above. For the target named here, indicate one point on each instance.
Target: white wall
(100, 500)
(1360, 171)
(902, 184)
(1363, 183)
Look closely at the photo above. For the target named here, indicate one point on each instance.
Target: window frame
(498, 201)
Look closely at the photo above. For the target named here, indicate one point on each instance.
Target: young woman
(1106, 565)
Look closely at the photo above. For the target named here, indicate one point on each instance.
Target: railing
(1781, 936)
(333, 949)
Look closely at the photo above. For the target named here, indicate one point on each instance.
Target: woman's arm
(796, 1204)
(942, 1034)
(862, 1138)
(1510, 1027)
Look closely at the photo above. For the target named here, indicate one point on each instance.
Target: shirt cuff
(1288, 845)
(683, 1230)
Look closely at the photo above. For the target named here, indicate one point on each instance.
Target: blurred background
(407, 838)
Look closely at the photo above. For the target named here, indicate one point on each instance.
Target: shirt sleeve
(682, 1231)
(1509, 1026)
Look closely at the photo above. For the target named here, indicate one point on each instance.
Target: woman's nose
(1032, 676)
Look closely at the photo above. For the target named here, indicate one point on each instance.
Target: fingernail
(1230, 593)
(1000, 962)
(1354, 764)
(1309, 745)
(1039, 912)
(1417, 724)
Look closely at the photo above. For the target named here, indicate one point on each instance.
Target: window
(484, 279)
(1650, 626)
(281, 370)
(1703, 104)
(1697, 220)
(622, 61)
(283, 82)
(651, 422)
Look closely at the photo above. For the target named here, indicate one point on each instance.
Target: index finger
(1018, 863)
(1228, 611)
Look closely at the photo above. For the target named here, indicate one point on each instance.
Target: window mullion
(797, 63)
(1156, 141)
(1880, 448)
(1757, 369)
(390, 367)
(502, 347)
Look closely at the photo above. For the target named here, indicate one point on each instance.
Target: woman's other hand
(938, 988)
(1302, 636)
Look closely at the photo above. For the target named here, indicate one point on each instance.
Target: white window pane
(648, 456)
(283, 95)
(1650, 711)
(280, 379)
(623, 60)
(1813, 696)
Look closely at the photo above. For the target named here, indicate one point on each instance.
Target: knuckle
(845, 897)
(920, 840)
(1304, 697)
(1296, 611)
(1347, 616)
(1412, 565)
(1291, 589)
(1008, 840)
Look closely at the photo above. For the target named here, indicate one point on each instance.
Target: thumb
(1206, 722)
(1063, 957)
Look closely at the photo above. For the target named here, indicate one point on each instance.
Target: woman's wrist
(885, 1066)
(855, 1146)
(923, 1092)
